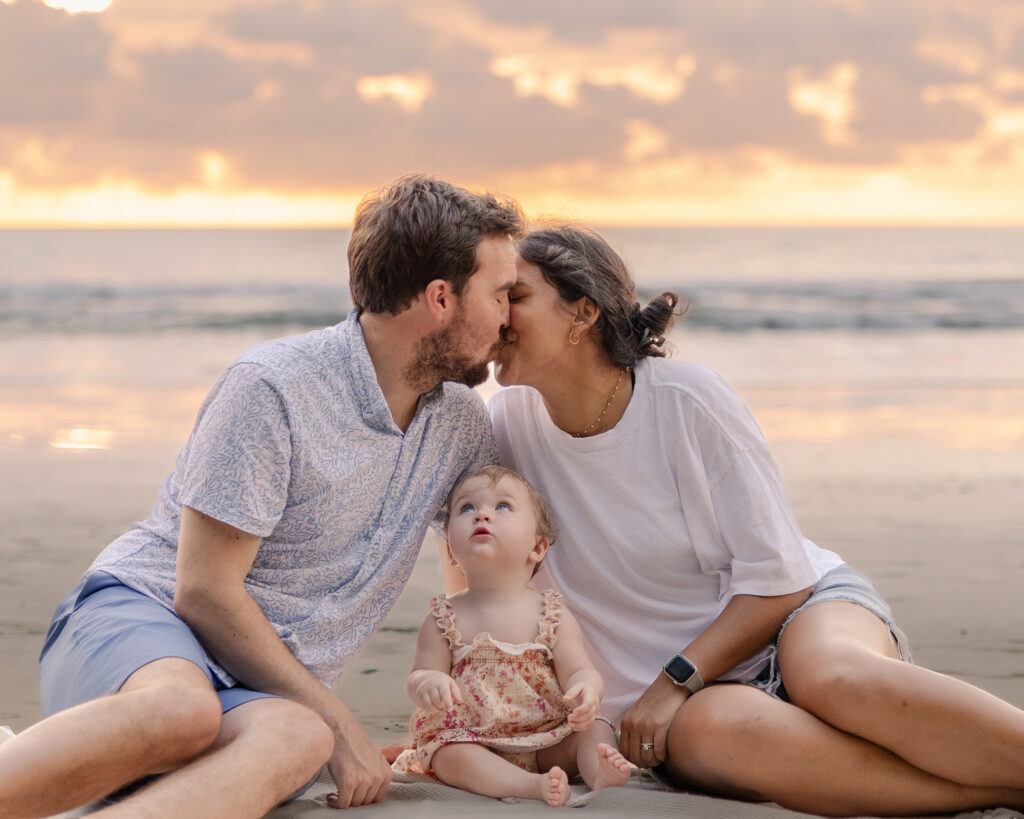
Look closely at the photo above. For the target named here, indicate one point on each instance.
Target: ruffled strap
(444, 616)
(550, 617)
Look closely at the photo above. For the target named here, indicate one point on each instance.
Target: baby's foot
(554, 787)
(612, 768)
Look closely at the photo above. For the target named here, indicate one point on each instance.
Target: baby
(514, 710)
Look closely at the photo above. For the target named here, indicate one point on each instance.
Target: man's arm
(213, 561)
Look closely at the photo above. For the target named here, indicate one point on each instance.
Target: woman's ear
(585, 313)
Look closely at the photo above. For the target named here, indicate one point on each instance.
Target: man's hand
(648, 720)
(585, 699)
(434, 690)
(358, 768)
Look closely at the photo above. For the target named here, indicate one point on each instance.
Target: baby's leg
(479, 770)
(591, 753)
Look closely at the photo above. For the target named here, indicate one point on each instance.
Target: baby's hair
(495, 473)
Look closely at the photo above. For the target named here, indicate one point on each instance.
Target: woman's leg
(839, 663)
(591, 754)
(736, 741)
(479, 770)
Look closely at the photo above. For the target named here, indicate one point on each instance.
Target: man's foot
(613, 768)
(554, 787)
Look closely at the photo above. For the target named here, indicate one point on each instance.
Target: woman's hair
(494, 474)
(577, 262)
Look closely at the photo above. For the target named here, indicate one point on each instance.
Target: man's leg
(267, 749)
(165, 714)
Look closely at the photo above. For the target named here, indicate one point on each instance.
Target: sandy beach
(939, 529)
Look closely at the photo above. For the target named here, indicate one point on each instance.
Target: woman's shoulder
(686, 379)
(703, 400)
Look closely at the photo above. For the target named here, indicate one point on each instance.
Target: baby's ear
(540, 549)
(451, 557)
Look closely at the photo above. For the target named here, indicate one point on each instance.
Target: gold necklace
(611, 398)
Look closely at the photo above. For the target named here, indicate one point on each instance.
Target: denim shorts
(841, 584)
(105, 631)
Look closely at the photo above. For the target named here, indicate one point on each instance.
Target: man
(203, 643)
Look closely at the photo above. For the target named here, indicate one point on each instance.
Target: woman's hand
(647, 723)
(586, 701)
(434, 690)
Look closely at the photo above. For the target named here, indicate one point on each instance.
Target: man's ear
(540, 548)
(439, 298)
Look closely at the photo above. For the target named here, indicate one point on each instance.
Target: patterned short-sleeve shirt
(296, 444)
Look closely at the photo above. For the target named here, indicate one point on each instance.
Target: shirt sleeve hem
(260, 527)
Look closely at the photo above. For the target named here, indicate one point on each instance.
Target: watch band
(684, 674)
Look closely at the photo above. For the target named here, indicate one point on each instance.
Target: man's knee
(303, 737)
(183, 712)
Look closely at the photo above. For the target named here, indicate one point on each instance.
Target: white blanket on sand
(421, 797)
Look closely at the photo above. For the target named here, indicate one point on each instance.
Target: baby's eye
(502, 505)
(466, 507)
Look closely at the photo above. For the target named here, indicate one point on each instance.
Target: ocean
(114, 336)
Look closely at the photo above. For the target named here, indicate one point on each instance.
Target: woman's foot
(554, 787)
(613, 768)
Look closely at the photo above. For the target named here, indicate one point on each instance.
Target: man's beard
(439, 358)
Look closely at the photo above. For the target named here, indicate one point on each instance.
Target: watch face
(680, 669)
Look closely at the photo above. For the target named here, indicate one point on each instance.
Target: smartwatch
(684, 674)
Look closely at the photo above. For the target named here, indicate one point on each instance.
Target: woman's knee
(714, 740)
(837, 679)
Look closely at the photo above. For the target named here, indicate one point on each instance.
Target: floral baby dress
(512, 702)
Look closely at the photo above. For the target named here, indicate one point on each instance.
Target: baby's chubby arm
(579, 679)
(430, 684)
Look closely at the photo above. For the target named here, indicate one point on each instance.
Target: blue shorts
(842, 584)
(105, 631)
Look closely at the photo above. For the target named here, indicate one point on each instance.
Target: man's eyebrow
(507, 285)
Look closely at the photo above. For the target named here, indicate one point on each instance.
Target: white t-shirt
(661, 520)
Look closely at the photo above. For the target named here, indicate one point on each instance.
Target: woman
(682, 540)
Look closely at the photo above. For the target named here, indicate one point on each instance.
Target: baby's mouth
(481, 530)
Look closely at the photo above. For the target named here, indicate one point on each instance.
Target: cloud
(341, 95)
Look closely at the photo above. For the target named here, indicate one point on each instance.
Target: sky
(651, 112)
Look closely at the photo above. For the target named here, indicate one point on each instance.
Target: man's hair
(494, 474)
(416, 230)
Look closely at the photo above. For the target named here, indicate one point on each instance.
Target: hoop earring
(573, 338)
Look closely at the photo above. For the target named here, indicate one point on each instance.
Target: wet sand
(941, 532)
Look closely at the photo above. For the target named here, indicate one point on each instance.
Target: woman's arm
(579, 679)
(746, 625)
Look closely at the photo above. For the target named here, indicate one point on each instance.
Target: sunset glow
(236, 112)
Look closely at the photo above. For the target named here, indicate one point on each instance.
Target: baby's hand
(584, 697)
(436, 691)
